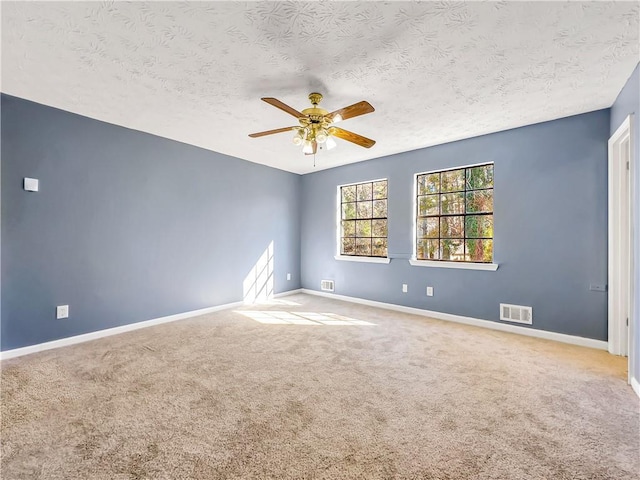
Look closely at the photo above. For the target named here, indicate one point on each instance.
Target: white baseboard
(476, 322)
(63, 342)
(635, 385)
(559, 337)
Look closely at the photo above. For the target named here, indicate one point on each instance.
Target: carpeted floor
(265, 392)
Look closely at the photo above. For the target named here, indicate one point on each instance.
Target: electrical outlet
(429, 291)
(405, 288)
(288, 276)
(597, 287)
(62, 311)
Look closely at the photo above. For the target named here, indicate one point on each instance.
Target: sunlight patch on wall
(274, 317)
(258, 284)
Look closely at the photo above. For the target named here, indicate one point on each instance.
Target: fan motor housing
(315, 113)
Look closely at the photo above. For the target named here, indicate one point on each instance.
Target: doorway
(621, 210)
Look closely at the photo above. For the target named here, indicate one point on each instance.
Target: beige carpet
(312, 396)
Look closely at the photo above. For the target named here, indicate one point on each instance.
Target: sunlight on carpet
(276, 301)
(274, 317)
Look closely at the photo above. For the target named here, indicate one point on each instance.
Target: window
(454, 219)
(363, 219)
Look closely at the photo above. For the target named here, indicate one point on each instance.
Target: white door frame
(621, 251)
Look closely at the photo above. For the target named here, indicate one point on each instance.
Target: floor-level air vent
(516, 313)
(326, 285)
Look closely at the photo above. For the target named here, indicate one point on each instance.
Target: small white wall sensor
(62, 311)
(31, 184)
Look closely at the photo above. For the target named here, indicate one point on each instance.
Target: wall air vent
(516, 313)
(326, 285)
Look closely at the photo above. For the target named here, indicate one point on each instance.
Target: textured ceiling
(435, 72)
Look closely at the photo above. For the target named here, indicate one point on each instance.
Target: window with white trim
(363, 219)
(454, 215)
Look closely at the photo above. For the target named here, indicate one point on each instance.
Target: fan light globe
(331, 143)
(321, 137)
(308, 147)
(298, 138)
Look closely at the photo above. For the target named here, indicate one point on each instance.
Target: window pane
(429, 183)
(428, 227)
(360, 204)
(452, 181)
(363, 228)
(365, 209)
(479, 251)
(455, 211)
(348, 246)
(428, 250)
(478, 226)
(428, 205)
(379, 228)
(480, 201)
(348, 211)
(452, 249)
(380, 247)
(379, 209)
(480, 177)
(380, 189)
(349, 194)
(452, 203)
(349, 229)
(363, 246)
(451, 227)
(364, 191)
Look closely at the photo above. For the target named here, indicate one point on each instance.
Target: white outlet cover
(429, 291)
(62, 311)
(288, 276)
(31, 184)
(404, 288)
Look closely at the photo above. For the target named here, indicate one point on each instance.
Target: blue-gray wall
(129, 226)
(550, 227)
(628, 103)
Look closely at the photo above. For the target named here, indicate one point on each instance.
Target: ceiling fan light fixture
(315, 125)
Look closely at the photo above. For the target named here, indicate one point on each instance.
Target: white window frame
(338, 210)
(414, 234)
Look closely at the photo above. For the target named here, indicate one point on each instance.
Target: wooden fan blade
(315, 148)
(351, 111)
(282, 106)
(271, 132)
(352, 137)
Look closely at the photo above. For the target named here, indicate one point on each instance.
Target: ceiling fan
(316, 124)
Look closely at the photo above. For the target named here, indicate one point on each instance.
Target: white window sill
(462, 265)
(349, 258)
